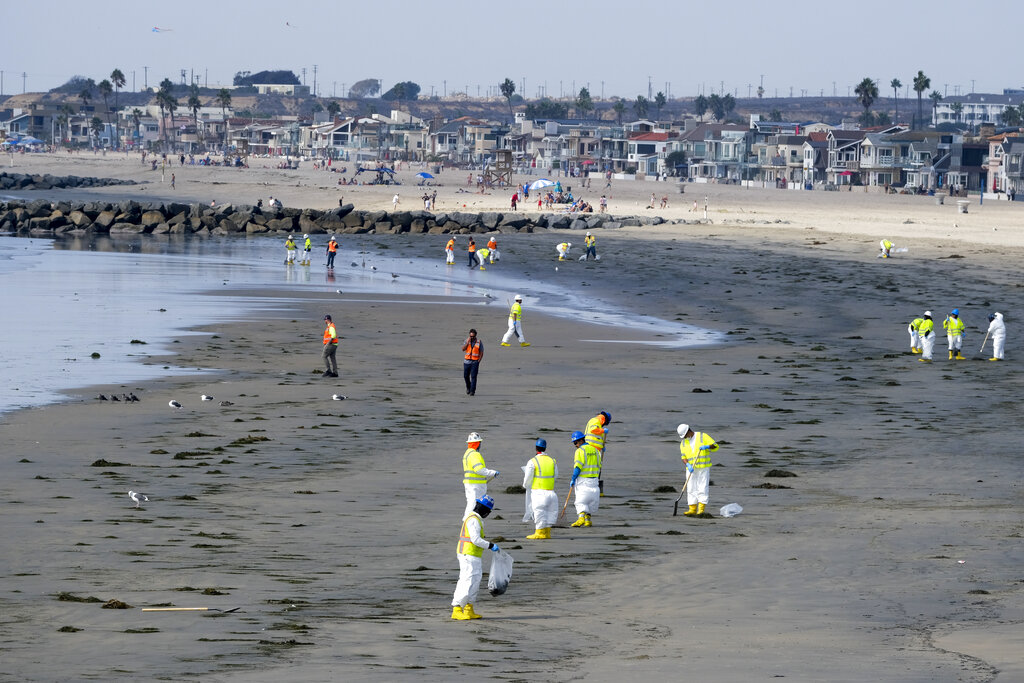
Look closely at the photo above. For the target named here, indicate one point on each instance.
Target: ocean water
(64, 300)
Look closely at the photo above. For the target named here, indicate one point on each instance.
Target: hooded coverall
(470, 552)
(475, 476)
(997, 329)
(539, 481)
(954, 327)
(588, 495)
(695, 450)
(915, 340)
(927, 338)
(515, 324)
(289, 247)
(449, 252)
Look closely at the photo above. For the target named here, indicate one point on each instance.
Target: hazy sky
(618, 47)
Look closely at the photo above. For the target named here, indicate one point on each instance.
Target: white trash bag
(730, 510)
(500, 572)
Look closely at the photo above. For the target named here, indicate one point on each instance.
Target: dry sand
(894, 555)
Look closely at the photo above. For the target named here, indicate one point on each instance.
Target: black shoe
(472, 393)
(326, 373)
(334, 374)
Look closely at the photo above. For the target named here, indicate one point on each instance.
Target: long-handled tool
(565, 504)
(675, 507)
(984, 341)
(600, 481)
(190, 609)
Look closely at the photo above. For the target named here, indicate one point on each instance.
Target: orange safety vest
(473, 352)
(330, 335)
(450, 245)
(491, 244)
(472, 247)
(332, 246)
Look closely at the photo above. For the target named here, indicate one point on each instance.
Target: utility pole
(750, 87)
(833, 88)
(24, 76)
(145, 78)
(1, 83)
(314, 80)
(445, 91)
(649, 94)
(334, 88)
(183, 72)
(602, 90)
(972, 86)
(303, 75)
(206, 78)
(945, 89)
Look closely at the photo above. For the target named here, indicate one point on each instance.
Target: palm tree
(333, 108)
(640, 106)
(1011, 116)
(224, 99)
(921, 83)
(194, 104)
(508, 89)
(957, 108)
(935, 96)
(896, 85)
(106, 90)
(867, 93)
(659, 102)
(137, 119)
(96, 126)
(167, 102)
(117, 79)
(619, 108)
(65, 117)
(700, 106)
(584, 103)
(86, 93)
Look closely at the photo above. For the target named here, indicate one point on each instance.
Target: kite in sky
(157, 29)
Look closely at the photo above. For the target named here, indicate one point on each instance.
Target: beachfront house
(647, 151)
(974, 109)
(717, 151)
(844, 156)
(780, 160)
(815, 158)
(1004, 163)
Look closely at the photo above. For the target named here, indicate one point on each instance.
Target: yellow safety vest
(927, 325)
(466, 545)
(953, 326)
(595, 432)
(289, 245)
(589, 241)
(543, 472)
(588, 459)
(517, 311)
(915, 324)
(698, 458)
(309, 244)
(472, 463)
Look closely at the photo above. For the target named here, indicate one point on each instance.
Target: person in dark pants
(330, 353)
(474, 350)
(471, 250)
(332, 251)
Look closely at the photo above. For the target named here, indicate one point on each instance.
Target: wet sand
(893, 555)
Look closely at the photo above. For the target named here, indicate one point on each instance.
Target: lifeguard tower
(499, 174)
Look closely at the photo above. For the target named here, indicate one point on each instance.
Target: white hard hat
(473, 438)
(519, 297)
(305, 237)
(682, 429)
(289, 237)
(928, 313)
(588, 233)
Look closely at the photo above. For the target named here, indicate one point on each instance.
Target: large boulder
(227, 227)
(151, 218)
(126, 229)
(285, 224)
(490, 219)
(255, 228)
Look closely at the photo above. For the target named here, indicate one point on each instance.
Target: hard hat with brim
(576, 436)
(682, 430)
(473, 438)
(486, 501)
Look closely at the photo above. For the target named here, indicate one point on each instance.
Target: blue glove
(705, 447)
(494, 547)
(689, 467)
(572, 482)
(496, 473)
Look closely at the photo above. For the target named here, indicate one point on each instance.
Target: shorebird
(206, 398)
(174, 404)
(394, 275)
(133, 397)
(339, 397)
(374, 268)
(102, 397)
(139, 498)
(114, 398)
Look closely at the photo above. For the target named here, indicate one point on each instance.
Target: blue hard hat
(955, 311)
(541, 444)
(576, 436)
(487, 502)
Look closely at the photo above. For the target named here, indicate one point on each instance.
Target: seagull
(114, 398)
(102, 397)
(226, 403)
(174, 404)
(206, 398)
(373, 267)
(133, 398)
(394, 275)
(126, 398)
(338, 291)
(339, 397)
(139, 498)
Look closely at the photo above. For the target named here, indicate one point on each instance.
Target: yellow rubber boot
(994, 359)
(914, 351)
(505, 344)
(524, 343)
(458, 613)
(469, 613)
(951, 354)
(700, 508)
(959, 355)
(692, 510)
(547, 532)
(581, 520)
(586, 522)
(539, 533)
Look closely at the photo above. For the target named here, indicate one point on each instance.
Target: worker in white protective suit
(695, 449)
(914, 328)
(475, 474)
(586, 469)
(515, 323)
(563, 250)
(997, 330)
(927, 334)
(954, 327)
(541, 501)
(470, 551)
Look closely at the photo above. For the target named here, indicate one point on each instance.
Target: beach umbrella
(424, 175)
(30, 141)
(541, 184)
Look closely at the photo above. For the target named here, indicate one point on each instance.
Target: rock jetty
(26, 181)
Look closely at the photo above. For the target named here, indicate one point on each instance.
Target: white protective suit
(471, 568)
(541, 504)
(475, 491)
(927, 342)
(915, 339)
(563, 250)
(997, 329)
(588, 495)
